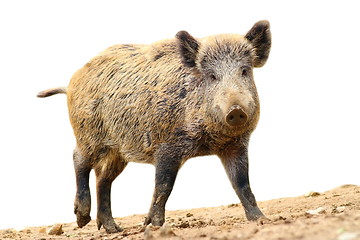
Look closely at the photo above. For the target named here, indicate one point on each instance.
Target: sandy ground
(332, 215)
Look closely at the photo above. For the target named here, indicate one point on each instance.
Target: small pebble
(312, 194)
(338, 209)
(317, 211)
(56, 230)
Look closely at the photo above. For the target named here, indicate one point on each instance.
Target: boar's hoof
(155, 221)
(82, 210)
(82, 220)
(254, 214)
(110, 226)
(236, 116)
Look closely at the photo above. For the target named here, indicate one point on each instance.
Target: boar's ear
(188, 48)
(260, 37)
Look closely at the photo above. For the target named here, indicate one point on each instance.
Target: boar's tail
(51, 91)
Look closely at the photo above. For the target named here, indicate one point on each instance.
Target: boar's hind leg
(236, 166)
(168, 162)
(106, 172)
(82, 204)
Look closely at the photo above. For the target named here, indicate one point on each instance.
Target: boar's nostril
(236, 117)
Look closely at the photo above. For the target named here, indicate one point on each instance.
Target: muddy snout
(236, 116)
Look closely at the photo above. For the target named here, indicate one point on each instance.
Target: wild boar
(163, 104)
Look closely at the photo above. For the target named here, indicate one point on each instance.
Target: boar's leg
(168, 162)
(105, 175)
(82, 204)
(235, 162)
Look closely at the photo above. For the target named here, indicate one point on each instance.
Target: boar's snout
(236, 116)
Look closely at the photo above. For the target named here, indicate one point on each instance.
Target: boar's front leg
(168, 162)
(235, 161)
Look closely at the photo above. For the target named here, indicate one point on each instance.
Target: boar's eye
(213, 77)
(244, 72)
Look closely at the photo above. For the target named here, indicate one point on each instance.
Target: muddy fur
(162, 104)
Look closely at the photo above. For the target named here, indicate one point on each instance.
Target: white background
(307, 137)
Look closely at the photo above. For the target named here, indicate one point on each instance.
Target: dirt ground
(332, 215)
